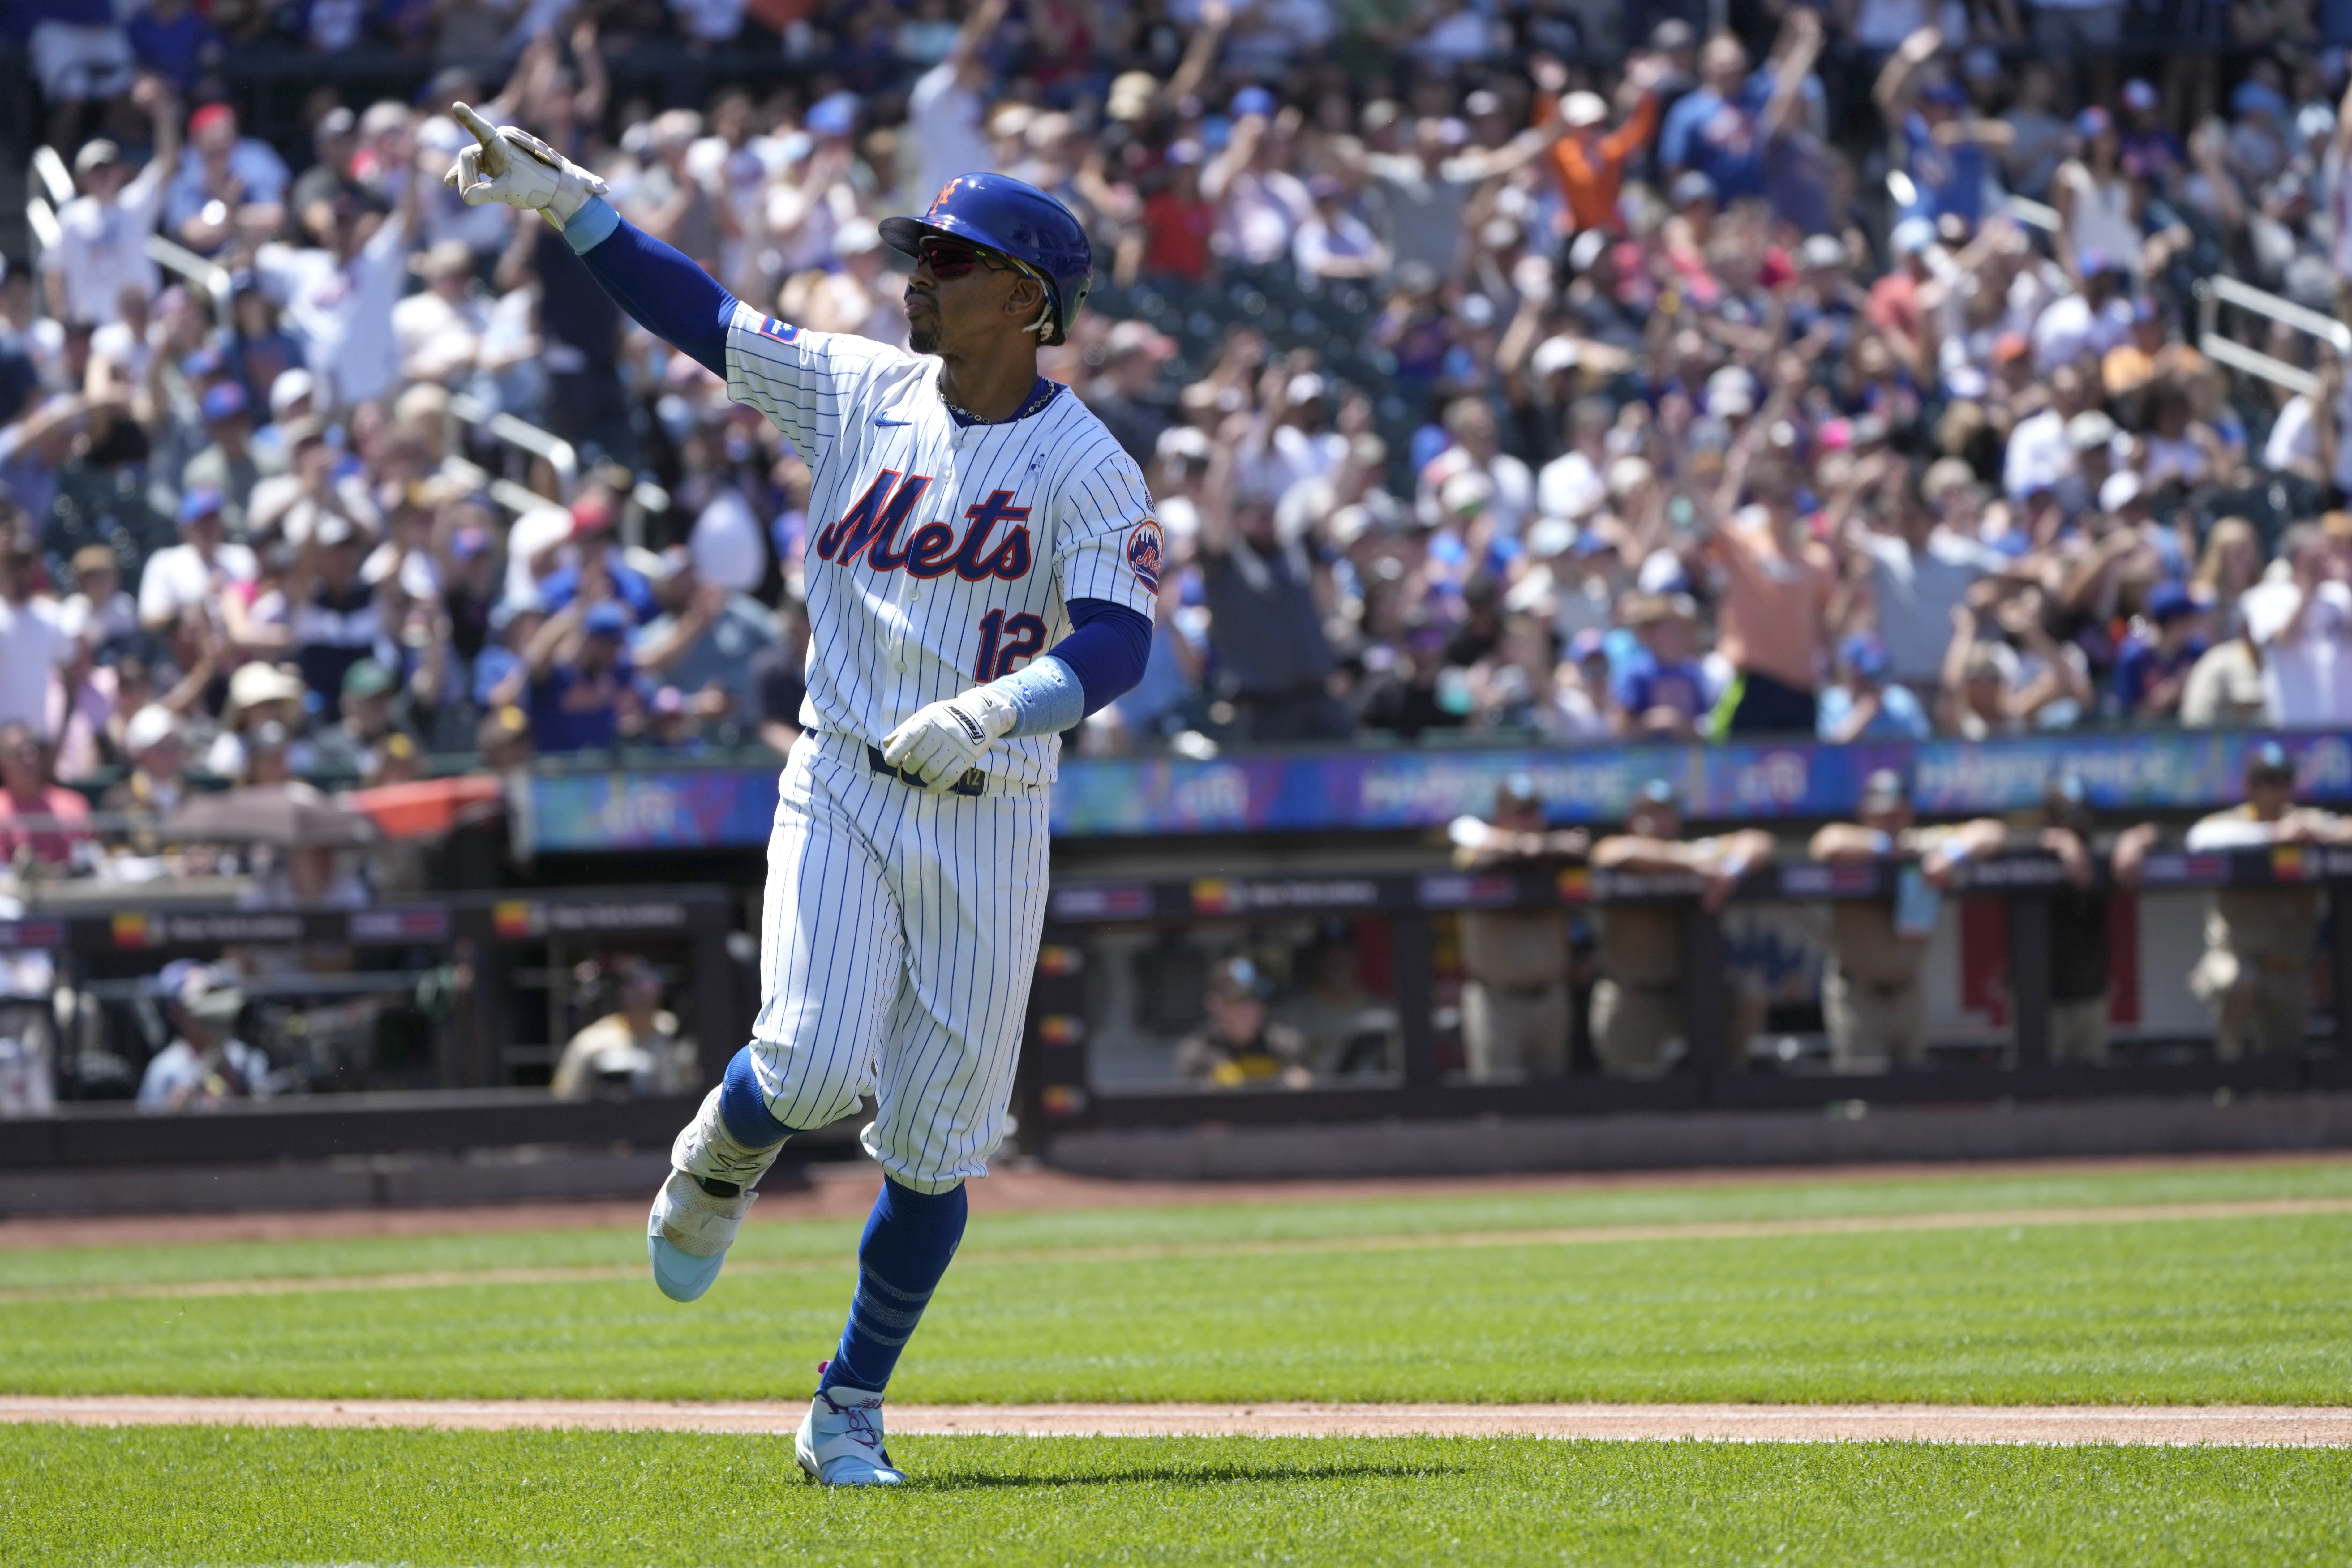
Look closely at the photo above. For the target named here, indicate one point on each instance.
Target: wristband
(591, 226)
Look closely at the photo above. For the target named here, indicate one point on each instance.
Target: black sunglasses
(953, 258)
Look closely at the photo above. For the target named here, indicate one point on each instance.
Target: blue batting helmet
(1015, 219)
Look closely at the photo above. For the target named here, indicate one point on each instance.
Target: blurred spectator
(1515, 1013)
(232, 184)
(635, 1049)
(1267, 631)
(2152, 666)
(576, 678)
(2302, 627)
(205, 1064)
(41, 823)
(154, 744)
(2079, 916)
(1240, 1046)
(101, 248)
(706, 639)
(1874, 1003)
(2256, 974)
(196, 573)
(1863, 703)
(1638, 1006)
(98, 612)
(35, 638)
(334, 619)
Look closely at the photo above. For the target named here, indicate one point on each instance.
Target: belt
(1525, 993)
(1885, 990)
(974, 783)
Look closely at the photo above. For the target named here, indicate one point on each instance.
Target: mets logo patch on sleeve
(771, 328)
(1143, 553)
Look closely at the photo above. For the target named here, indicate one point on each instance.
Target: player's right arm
(791, 375)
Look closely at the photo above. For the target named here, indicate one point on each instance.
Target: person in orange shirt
(1589, 158)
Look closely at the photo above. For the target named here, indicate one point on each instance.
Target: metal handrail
(559, 453)
(2034, 214)
(205, 273)
(2217, 291)
(50, 170)
(2212, 293)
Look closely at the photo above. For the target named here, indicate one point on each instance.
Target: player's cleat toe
(687, 1234)
(680, 1276)
(840, 1441)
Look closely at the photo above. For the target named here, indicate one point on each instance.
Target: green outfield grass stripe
(2236, 1425)
(1555, 1235)
(100, 1497)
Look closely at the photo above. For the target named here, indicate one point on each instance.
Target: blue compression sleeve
(909, 1238)
(663, 291)
(1107, 650)
(744, 1109)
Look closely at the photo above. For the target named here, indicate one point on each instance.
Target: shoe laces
(857, 1420)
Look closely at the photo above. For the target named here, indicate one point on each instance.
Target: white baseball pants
(897, 944)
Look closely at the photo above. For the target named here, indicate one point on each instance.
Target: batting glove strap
(693, 1222)
(707, 1149)
(944, 740)
(509, 165)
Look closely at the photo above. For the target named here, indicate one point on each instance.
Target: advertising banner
(1376, 791)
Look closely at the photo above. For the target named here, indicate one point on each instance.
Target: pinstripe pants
(898, 940)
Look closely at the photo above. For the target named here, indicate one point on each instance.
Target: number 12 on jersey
(996, 655)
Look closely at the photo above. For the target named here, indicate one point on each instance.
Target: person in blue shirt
(1665, 692)
(2152, 667)
(580, 678)
(1864, 705)
(1722, 128)
(1946, 147)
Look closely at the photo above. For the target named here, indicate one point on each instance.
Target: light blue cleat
(840, 1441)
(687, 1234)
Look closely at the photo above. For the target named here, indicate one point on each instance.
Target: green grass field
(1428, 1299)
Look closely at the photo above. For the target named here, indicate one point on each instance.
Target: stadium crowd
(1835, 378)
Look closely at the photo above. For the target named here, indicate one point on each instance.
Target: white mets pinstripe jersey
(939, 556)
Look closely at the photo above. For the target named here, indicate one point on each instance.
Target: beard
(923, 336)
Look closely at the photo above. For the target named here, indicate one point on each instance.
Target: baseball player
(968, 516)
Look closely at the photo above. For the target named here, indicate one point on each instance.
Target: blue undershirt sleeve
(1088, 670)
(662, 290)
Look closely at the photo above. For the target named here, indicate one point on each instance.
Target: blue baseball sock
(909, 1238)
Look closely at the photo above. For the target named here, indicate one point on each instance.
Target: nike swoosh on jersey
(879, 420)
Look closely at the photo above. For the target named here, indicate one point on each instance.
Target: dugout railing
(488, 952)
(1059, 1088)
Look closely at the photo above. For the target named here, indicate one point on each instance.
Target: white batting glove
(943, 741)
(509, 164)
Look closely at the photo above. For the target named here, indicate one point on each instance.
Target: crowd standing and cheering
(1739, 384)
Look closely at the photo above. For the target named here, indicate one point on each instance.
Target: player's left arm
(1108, 550)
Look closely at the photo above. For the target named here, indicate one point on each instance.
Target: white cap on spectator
(1579, 110)
(1550, 536)
(2120, 490)
(2090, 430)
(1627, 475)
(1350, 524)
(1586, 249)
(150, 727)
(1304, 387)
(258, 683)
(290, 388)
(856, 236)
(1555, 354)
(1182, 441)
(1731, 394)
(383, 117)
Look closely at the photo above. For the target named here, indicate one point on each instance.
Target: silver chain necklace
(1045, 390)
